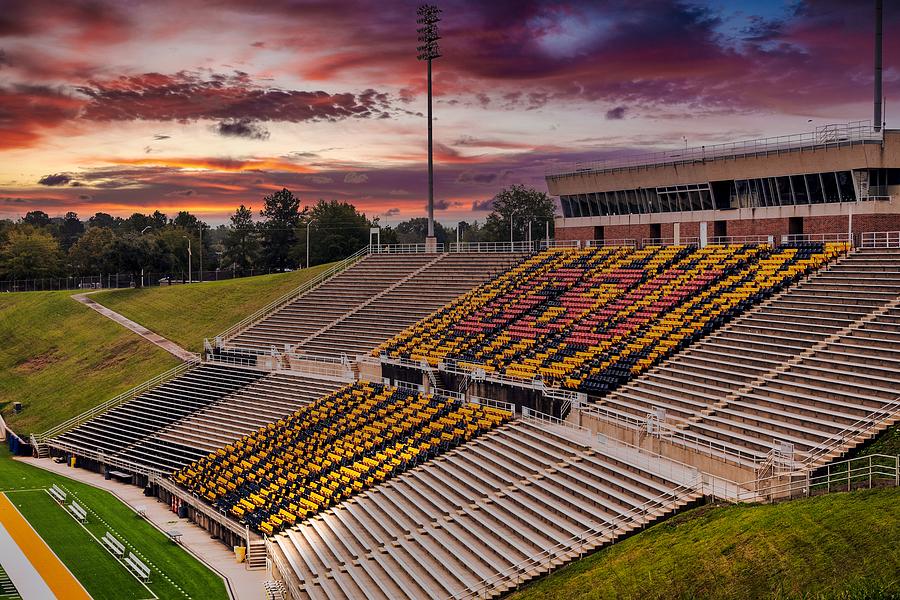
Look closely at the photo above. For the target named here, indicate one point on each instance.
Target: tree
(137, 222)
(282, 216)
(522, 205)
(337, 230)
(413, 231)
(70, 230)
(102, 219)
(37, 218)
(241, 243)
(29, 253)
(93, 252)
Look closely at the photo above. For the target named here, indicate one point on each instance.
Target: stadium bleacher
(590, 319)
(443, 528)
(368, 302)
(330, 449)
(370, 491)
(810, 364)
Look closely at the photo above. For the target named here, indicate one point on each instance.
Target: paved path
(167, 345)
(243, 584)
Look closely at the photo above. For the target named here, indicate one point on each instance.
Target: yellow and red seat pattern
(590, 319)
(331, 449)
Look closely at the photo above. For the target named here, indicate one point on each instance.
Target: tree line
(274, 239)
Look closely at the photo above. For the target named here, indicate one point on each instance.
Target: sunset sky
(124, 106)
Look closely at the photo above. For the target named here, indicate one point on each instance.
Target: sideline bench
(137, 567)
(57, 493)
(78, 512)
(114, 545)
(174, 535)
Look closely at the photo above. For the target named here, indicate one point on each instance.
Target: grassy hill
(102, 576)
(834, 546)
(59, 358)
(186, 314)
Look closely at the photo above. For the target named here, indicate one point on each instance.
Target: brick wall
(627, 232)
(574, 233)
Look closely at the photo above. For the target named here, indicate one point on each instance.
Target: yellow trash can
(241, 553)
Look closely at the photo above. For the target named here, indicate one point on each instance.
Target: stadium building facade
(837, 179)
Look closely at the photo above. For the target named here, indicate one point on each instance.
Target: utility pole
(429, 16)
(190, 278)
(879, 38)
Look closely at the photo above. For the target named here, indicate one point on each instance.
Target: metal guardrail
(741, 239)
(109, 404)
(799, 238)
(490, 402)
(618, 242)
(201, 506)
(880, 239)
(826, 136)
(863, 472)
(403, 248)
(682, 241)
(491, 247)
(862, 427)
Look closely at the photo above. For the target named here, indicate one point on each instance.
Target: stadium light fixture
(428, 49)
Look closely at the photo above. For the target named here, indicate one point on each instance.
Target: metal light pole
(308, 223)
(190, 278)
(429, 16)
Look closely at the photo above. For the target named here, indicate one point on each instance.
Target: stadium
(708, 345)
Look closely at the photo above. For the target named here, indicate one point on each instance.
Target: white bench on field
(58, 494)
(78, 512)
(137, 567)
(113, 544)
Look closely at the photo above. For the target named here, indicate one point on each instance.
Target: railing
(490, 402)
(741, 239)
(677, 436)
(405, 249)
(618, 242)
(109, 404)
(797, 238)
(201, 506)
(864, 472)
(880, 239)
(104, 458)
(682, 241)
(321, 365)
(585, 541)
(292, 295)
(491, 247)
(862, 427)
(826, 136)
(544, 244)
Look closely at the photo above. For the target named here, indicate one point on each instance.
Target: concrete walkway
(243, 584)
(167, 345)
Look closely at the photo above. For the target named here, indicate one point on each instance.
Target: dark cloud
(244, 128)
(391, 212)
(616, 114)
(445, 204)
(189, 96)
(159, 137)
(181, 193)
(480, 178)
(483, 205)
(55, 179)
(356, 178)
(84, 197)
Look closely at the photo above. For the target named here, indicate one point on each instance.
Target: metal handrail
(860, 427)
(826, 136)
(293, 294)
(120, 399)
(742, 239)
(635, 517)
(795, 238)
(780, 485)
(670, 241)
(405, 248)
(616, 242)
(880, 239)
(491, 247)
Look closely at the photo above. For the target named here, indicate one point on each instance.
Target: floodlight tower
(428, 17)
